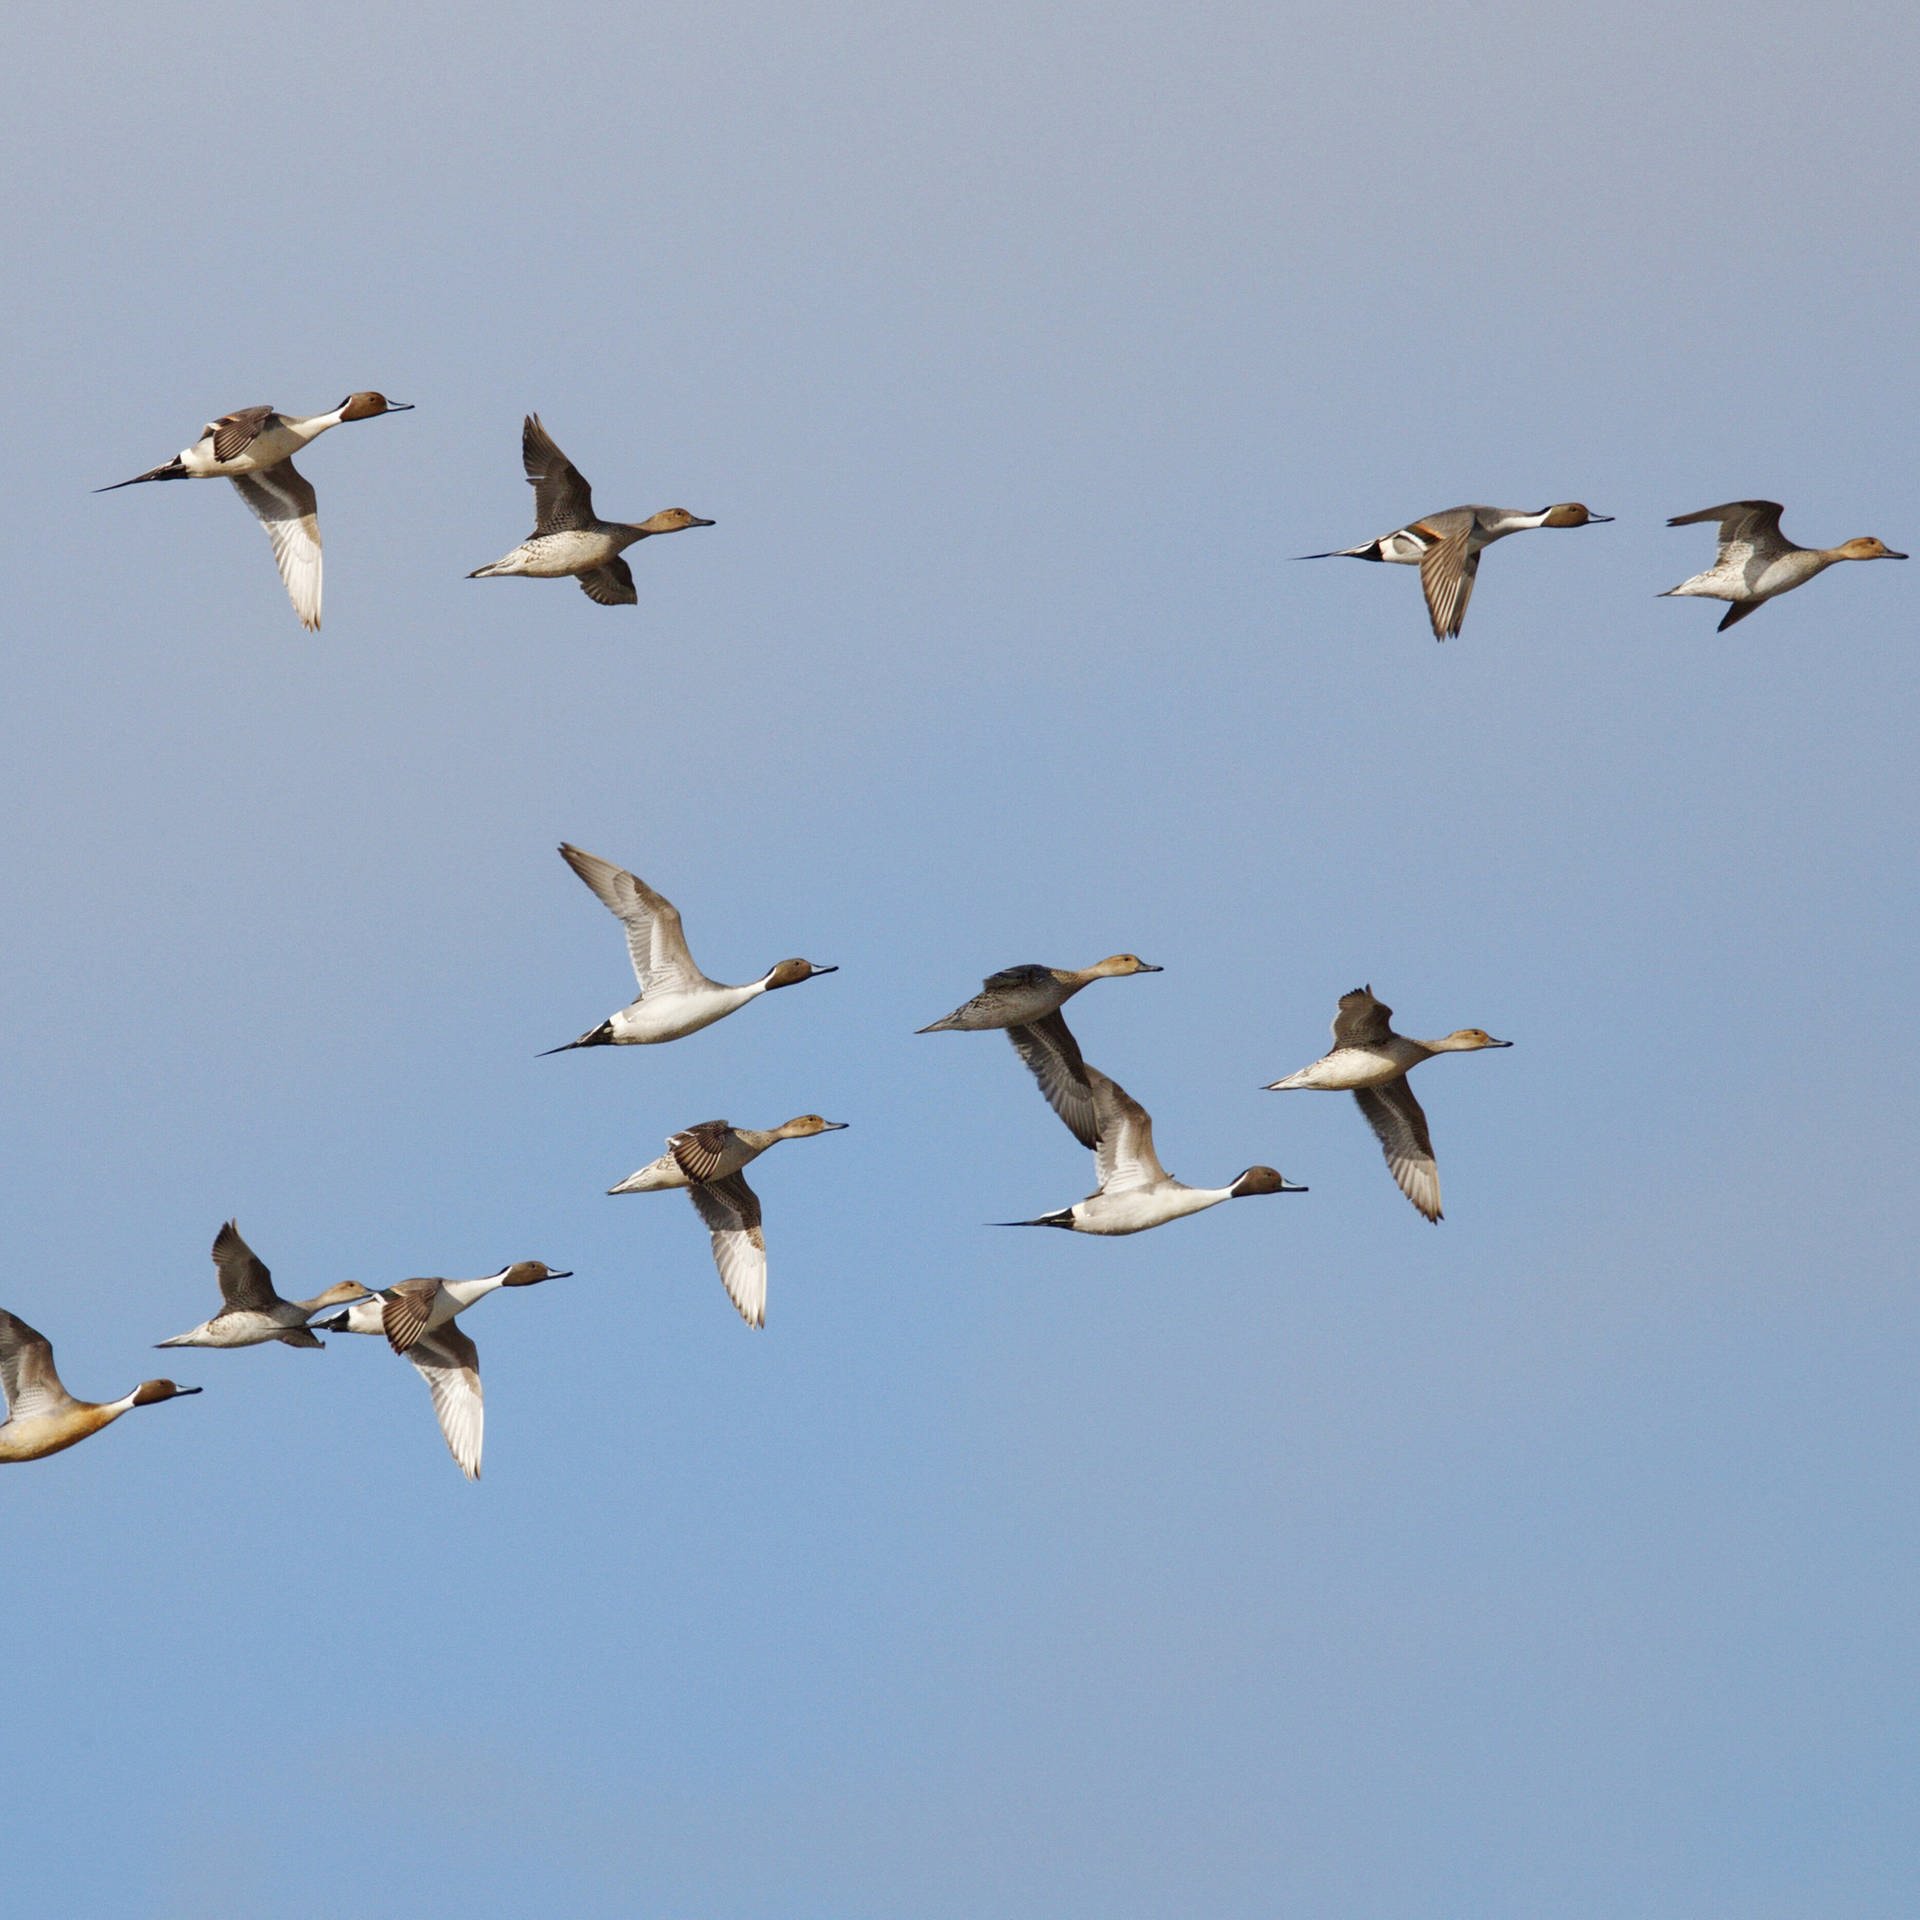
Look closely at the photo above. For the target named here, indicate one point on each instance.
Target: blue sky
(1300, 1558)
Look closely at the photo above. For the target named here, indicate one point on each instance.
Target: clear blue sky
(1298, 1559)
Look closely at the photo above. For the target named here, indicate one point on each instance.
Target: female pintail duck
(42, 1416)
(1446, 547)
(676, 998)
(1017, 996)
(706, 1161)
(1757, 562)
(568, 537)
(1135, 1191)
(1371, 1061)
(254, 448)
(254, 1312)
(417, 1318)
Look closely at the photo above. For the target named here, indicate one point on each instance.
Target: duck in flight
(1135, 1191)
(42, 1416)
(707, 1160)
(1755, 562)
(568, 538)
(254, 448)
(1371, 1061)
(1446, 547)
(253, 1312)
(417, 1318)
(676, 998)
(1015, 996)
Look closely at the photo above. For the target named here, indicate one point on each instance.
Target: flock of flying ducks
(1754, 563)
(254, 449)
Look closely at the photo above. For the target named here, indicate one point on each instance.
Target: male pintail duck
(1135, 1191)
(706, 1161)
(42, 1416)
(1446, 547)
(254, 448)
(254, 1312)
(1756, 561)
(417, 1318)
(1017, 996)
(568, 538)
(1371, 1061)
(676, 998)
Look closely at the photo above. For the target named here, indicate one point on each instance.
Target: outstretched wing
(1397, 1119)
(1747, 527)
(1447, 569)
(26, 1370)
(245, 1284)
(1123, 1153)
(731, 1210)
(562, 500)
(611, 585)
(449, 1362)
(233, 433)
(1052, 1056)
(1362, 1020)
(656, 941)
(282, 500)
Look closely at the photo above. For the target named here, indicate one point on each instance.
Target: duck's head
(670, 520)
(1116, 965)
(809, 1123)
(1469, 1040)
(529, 1273)
(1570, 513)
(148, 1392)
(1868, 548)
(789, 973)
(1262, 1180)
(363, 406)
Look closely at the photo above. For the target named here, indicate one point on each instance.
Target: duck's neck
(316, 424)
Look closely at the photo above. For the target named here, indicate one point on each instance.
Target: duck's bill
(1144, 968)
(1597, 518)
(694, 520)
(837, 1126)
(1290, 1186)
(1891, 555)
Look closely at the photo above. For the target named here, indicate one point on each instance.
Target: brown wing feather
(403, 1316)
(245, 1283)
(1052, 1056)
(234, 433)
(611, 585)
(697, 1150)
(562, 500)
(1400, 1124)
(1362, 1020)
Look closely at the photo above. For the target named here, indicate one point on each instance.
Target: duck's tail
(1064, 1218)
(601, 1036)
(173, 470)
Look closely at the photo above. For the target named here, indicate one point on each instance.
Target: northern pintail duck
(1135, 1191)
(1015, 996)
(1756, 562)
(1371, 1061)
(568, 537)
(254, 448)
(42, 1416)
(706, 1161)
(254, 1312)
(1446, 547)
(676, 998)
(417, 1318)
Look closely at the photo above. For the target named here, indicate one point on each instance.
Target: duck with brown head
(676, 998)
(1755, 562)
(43, 1417)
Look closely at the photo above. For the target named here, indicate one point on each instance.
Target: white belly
(672, 1016)
(1140, 1208)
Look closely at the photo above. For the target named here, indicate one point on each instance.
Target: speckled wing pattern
(245, 1283)
(1397, 1119)
(1052, 1056)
